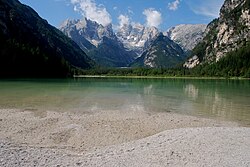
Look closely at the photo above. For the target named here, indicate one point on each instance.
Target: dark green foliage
(200, 48)
(231, 64)
(234, 16)
(234, 64)
(161, 72)
(30, 47)
(247, 5)
(22, 60)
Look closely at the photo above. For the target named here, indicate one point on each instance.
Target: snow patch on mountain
(90, 30)
(136, 37)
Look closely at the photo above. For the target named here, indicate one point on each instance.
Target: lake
(221, 99)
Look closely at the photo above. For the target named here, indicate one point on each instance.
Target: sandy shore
(114, 138)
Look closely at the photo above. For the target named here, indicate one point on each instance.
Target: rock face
(88, 30)
(147, 45)
(162, 53)
(187, 35)
(226, 34)
(30, 47)
(137, 37)
(192, 62)
(98, 41)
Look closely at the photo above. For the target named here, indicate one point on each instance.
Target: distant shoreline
(157, 77)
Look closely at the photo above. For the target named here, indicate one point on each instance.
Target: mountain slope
(226, 34)
(136, 37)
(30, 47)
(88, 30)
(99, 42)
(111, 53)
(162, 53)
(187, 35)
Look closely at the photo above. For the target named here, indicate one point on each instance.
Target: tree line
(234, 64)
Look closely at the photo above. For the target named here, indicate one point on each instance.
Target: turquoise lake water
(222, 99)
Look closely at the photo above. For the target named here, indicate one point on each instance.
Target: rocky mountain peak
(162, 53)
(226, 34)
(88, 29)
(233, 28)
(98, 41)
(136, 37)
(187, 35)
(229, 5)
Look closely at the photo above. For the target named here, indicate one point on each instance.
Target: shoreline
(95, 138)
(159, 77)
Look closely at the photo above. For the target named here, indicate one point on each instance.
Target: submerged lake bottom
(227, 100)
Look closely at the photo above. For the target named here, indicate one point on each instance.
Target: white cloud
(153, 17)
(115, 8)
(123, 20)
(206, 12)
(174, 5)
(89, 9)
(209, 8)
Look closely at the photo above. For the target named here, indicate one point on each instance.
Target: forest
(234, 64)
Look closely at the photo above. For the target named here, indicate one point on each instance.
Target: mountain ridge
(30, 47)
(226, 34)
(187, 35)
(98, 41)
(162, 53)
(137, 37)
(120, 48)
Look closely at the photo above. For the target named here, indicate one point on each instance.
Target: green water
(222, 99)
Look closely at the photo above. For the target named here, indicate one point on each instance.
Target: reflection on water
(191, 91)
(229, 100)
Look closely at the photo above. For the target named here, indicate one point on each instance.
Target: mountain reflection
(228, 100)
(223, 100)
(191, 91)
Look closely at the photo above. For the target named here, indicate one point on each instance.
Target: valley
(185, 50)
(97, 83)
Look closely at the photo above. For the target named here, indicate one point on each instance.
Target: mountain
(30, 47)
(111, 53)
(87, 33)
(136, 37)
(162, 53)
(225, 36)
(187, 35)
(98, 41)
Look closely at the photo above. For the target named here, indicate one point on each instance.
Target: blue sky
(160, 13)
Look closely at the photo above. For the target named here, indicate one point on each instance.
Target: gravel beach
(114, 138)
